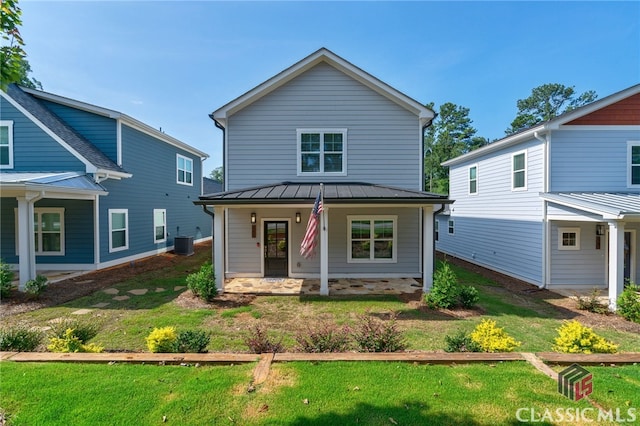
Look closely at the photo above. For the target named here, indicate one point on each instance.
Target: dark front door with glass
(276, 248)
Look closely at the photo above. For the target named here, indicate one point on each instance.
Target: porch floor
(337, 287)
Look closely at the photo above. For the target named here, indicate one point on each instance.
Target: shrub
(20, 338)
(460, 342)
(592, 303)
(373, 335)
(6, 280)
(629, 303)
(36, 286)
(575, 338)
(71, 343)
(324, 337)
(83, 330)
(259, 341)
(203, 282)
(468, 296)
(162, 340)
(193, 341)
(492, 338)
(444, 293)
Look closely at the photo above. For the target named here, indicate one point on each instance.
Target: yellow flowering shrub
(575, 338)
(71, 343)
(163, 339)
(492, 338)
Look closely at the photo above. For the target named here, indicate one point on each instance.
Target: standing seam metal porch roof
(334, 193)
(607, 204)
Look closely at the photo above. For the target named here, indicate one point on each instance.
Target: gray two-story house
(325, 126)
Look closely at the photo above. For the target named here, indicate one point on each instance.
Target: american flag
(309, 241)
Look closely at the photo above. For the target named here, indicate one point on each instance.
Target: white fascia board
(48, 191)
(110, 174)
(89, 167)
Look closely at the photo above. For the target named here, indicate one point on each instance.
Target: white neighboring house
(556, 205)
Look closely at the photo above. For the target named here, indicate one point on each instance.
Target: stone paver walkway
(337, 287)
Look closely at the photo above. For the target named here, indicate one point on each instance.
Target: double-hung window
(184, 170)
(372, 239)
(322, 152)
(568, 238)
(159, 225)
(6, 144)
(451, 225)
(118, 229)
(48, 224)
(519, 171)
(633, 164)
(473, 180)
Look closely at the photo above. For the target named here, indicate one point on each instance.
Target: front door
(276, 248)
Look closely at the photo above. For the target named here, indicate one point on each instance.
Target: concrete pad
(121, 298)
(111, 291)
(100, 305)
(81, 312)
(139, 291)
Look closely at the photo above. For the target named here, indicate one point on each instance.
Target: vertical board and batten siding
(152, 186)
(100, 130)
(383, 139)
(577, 268)
(497, 228)
(28, 139)
(590, 160)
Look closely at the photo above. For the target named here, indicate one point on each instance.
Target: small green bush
(492, 338)
(628, 303)
(259, 341)
(162, 340)
(203, 283)
(575, 338)
(71, 343)
(192, 341)
(592, 303)
(444, 293)
(468, 296)
(36, 286)
(84, 330)
(460, 342)
(6, 280)
(324, 337)
(20, 338)
(373, 335)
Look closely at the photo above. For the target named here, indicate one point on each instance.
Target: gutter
(546, 229)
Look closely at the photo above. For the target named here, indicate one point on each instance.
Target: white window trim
(568, 230)
(126, 228)
(299, 132)
(469, 179)
(526, 165)
(178, 157)
(9, 124)
(630, 145)
(39, 211)
(164, 225)
(451, 227)
(372, 218)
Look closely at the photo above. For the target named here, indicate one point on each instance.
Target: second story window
(185, 170)
(519, 171)
(473, 180)
(322, 151)
(633, 164)
(6, 144)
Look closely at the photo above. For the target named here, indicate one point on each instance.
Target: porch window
(372, 239)
(185, 170)
(322, 151)
(118, 229)
(6, 144)
(159, 225)
(48, 227)
(633, 164)
(568, 238)
(519, 171)
(473, 180)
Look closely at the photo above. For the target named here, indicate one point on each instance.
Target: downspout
(546, 229)
(435, 213)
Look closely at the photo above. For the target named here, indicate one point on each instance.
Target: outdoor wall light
(298, 217)
(253, 218)
(599, 229)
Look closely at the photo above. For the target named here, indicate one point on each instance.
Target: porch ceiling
(611, 205)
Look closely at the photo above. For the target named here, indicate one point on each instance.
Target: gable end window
(322, 152)
(519, 171)
(118, 229)
(184, 170)
(372, 239)
(633, 164)
(473, 180)
(6, 144)
(568, 238)
(159, 225)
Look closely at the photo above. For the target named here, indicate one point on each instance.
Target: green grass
(369, 393)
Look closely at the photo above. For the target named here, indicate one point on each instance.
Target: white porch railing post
(616, 262)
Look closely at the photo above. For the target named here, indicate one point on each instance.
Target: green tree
(12, 53)
(450, 135)
(217, 174)
(547, 102)
(25, 80)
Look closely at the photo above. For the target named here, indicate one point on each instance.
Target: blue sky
(170, 64)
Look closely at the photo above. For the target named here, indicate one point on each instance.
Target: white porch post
(26, 241)
(218, 246)
(427, 248)
(324, 252)
(616, 262)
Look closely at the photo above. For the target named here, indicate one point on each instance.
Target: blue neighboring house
(557, 205)
(85, 187)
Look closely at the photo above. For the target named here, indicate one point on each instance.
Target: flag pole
(322, 201)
